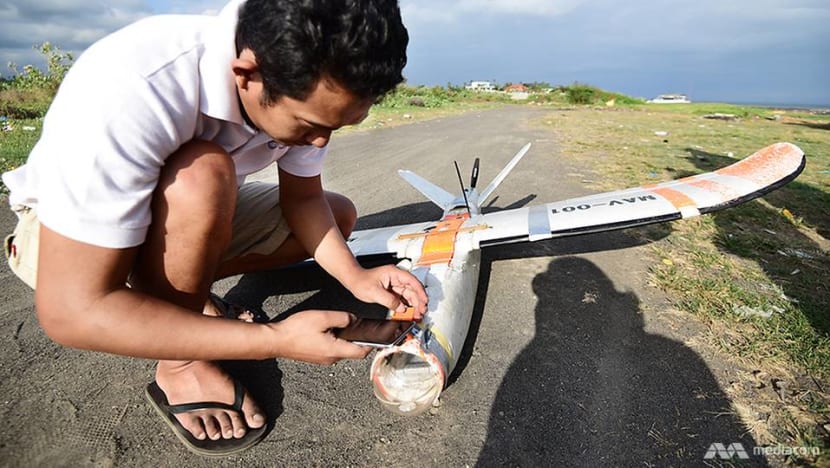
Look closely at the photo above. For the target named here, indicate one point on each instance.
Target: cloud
(457, 12)
(73, 25)
(646, 45)
(537, 8)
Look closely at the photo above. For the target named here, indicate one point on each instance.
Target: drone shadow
(255, 289)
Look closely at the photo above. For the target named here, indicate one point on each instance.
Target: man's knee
(345, 213)
(199, 174)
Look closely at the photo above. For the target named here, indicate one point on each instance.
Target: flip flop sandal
(206, 447)
(234, 311)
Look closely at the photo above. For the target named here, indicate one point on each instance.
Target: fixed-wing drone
(445, 254)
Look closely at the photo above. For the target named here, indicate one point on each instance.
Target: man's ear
(244, 67)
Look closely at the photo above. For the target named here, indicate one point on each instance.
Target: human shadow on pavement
(593, 388)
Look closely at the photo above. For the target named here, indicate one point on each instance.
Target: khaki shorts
(258, 228)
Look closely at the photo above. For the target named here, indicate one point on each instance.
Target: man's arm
(82, 301)
(309, 216)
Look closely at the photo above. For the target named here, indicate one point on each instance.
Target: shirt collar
(219, 97)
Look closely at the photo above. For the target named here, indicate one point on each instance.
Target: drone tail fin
(434, 193)
(499, 178)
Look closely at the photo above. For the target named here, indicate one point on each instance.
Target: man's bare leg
(192, 212)
(291, 251)
(192, 208)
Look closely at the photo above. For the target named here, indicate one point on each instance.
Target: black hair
(361, 44)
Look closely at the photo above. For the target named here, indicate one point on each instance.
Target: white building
(481, 86)
(671, 99)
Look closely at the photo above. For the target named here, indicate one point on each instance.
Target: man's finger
(337, 319)
(410, 287)
(347, 350)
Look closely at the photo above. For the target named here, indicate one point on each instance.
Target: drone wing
(395, 240)
(756, 175)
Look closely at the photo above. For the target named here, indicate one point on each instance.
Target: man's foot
(218, 307)
(202, 381)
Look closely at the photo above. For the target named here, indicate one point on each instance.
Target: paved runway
(573, 360)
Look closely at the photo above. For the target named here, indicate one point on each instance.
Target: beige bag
(21, 246)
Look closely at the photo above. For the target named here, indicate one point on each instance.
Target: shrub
(22, 103)
(590, 95)
(28, 92)
(581, 94)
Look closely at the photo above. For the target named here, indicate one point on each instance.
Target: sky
(742, 51)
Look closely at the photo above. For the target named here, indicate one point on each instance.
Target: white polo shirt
(128, 102)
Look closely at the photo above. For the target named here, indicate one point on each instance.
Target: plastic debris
(661, 133)
(746, 311)
(798, 254)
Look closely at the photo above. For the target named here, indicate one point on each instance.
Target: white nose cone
(407, 381)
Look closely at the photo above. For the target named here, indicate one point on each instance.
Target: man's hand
(391, 287)
(309, 336)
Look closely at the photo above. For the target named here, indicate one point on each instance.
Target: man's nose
(320, 139)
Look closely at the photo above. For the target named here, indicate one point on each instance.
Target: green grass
(773, 248)
(15, 144)
(768, 256)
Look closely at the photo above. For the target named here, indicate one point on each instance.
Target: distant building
(670, 99)
(516, 88)
(481, 86)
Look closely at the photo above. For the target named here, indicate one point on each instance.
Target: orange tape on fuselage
(439, 243)
(438, 247)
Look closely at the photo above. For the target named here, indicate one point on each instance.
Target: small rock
(720, 116)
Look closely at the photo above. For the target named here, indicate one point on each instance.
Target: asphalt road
(572, 360)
